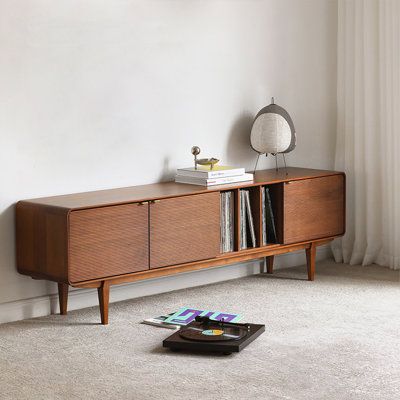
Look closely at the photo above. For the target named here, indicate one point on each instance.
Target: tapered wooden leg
(270, 264)
(310, 254)
(104, 297)
(63, 297)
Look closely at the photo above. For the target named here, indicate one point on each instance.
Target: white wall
(107, 93)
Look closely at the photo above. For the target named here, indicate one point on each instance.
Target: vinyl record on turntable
(206, 335)
(212, 334)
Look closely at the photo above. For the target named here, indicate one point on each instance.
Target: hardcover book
(160, 322)
(213, 181)
(204, 171)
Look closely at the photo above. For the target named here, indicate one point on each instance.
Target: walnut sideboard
(102, 238)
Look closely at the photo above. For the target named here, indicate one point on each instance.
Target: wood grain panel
(41, 241)
(313, 208)
(225, 259)
(108, 241)
(184, 229)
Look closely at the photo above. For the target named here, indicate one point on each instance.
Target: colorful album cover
(186, 315)
(160, 322)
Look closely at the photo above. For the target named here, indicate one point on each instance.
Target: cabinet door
(184, 229)
(313, 208)
(108, 241)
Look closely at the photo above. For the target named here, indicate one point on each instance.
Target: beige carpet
(335, 338)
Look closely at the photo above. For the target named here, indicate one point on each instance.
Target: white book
(214, 181)
(218, 171)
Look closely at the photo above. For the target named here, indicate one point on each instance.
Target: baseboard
(82, 298)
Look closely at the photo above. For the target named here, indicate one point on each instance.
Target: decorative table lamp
(273, 132)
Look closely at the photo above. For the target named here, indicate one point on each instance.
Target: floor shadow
(283, 277)
(367, 273)
(370, 273)
(37, 322)
(185, 353)
(159, 350)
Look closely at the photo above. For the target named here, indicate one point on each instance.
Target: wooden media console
(102, 238)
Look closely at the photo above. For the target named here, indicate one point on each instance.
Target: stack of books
(205, 176)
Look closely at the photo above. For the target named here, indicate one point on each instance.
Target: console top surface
(108, 197)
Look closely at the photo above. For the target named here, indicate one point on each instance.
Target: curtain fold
(368, 130)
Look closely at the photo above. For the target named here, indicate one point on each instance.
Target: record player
(207, 335)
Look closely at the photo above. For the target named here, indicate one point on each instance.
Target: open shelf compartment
(271, 214)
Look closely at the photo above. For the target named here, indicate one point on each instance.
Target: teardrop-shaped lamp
(273, 131)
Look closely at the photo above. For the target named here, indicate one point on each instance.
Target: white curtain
(368, 128)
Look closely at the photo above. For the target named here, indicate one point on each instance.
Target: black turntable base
(205, 335)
